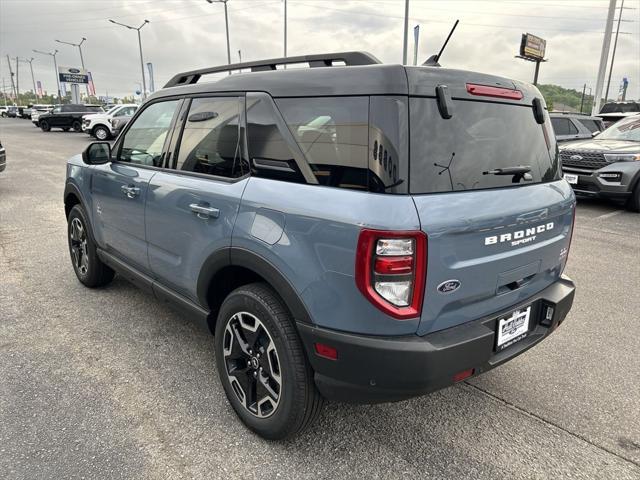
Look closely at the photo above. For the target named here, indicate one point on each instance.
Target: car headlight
(621, 157)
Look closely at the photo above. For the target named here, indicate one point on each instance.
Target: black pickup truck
(67, 117)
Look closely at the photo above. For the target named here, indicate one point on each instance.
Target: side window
(269, 152)
(333, 134)
(57, 110)
(388, 144)
(143, 142)
(210, 141)
(563, 126)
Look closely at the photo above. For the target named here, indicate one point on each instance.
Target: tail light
(573, 226)
(391, 270)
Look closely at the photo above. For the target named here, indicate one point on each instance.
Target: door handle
(129, 191)
(204, 212)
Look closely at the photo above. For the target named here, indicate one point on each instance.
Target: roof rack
(320, 60)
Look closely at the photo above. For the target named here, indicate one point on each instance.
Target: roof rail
(320, 60)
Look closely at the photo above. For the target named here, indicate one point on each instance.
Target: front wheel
(76, 125)
(633, 203)
(262, 365)
(44, 125)
(88, 267)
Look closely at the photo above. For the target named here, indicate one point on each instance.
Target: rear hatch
(493, 240)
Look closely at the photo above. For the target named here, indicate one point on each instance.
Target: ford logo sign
(449, 286)
(74, 70)
(575, 157)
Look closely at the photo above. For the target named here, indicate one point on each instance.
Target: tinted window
(620, 107)
(91, 109)
(590, 125)
(388, 144)
(459, 153)
(210, 141)
(333, 135)
(143, 142)
(270, 154)
(563, 126)
(125, 112)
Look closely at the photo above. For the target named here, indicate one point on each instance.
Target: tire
(101, 133)
(65, 129)
(76, 125)
(82, 247)
(44, 125)
(280, 354)
(633, 203)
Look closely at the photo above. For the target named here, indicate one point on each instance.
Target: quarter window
(563, 126)
(144, 141)
(333, 135)
(210, 141)
(590, 125)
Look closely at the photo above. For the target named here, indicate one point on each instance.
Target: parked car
(25, 112)
(38, 110)
(3, 158)
(573, 126)
(118, 123)
(608, 165)
(66, 117)
(3, 111)
(12, 111)
(276, 207)
(614, 111)
(99, 124)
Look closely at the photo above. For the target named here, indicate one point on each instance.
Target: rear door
(493, 240)
(119, 188)
(191, 208)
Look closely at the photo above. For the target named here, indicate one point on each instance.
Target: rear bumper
(385, 369)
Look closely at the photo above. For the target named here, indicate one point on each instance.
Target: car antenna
(432, 61)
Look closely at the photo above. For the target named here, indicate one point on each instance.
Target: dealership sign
(73, 75)
(532, 47)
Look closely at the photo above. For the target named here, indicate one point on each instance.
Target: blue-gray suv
(351, 231)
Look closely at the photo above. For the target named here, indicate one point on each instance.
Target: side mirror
(97, 153)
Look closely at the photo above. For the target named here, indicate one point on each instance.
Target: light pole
(33, 79)
(144, 82)
(406, 32)
(226, 23)
(79, 45)
(17, 82)
(55, 68)
(613, 55)
(285, 28)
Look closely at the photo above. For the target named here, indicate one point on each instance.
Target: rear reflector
(458, 377)
(394, 265)
(326, 351)
(496, 92)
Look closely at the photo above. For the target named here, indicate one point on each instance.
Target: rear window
(92, 109)
(590, 125)
(461, 152)
(620, 107)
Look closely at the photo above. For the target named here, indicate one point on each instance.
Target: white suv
(99, 125)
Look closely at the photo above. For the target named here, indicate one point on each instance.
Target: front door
(192, 207)
(119, 188)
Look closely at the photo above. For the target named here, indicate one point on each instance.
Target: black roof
(359, 74)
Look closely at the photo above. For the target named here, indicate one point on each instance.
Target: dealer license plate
(513, 328)
(571, 178)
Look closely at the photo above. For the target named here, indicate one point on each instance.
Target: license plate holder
(512, 327)
(571, 178)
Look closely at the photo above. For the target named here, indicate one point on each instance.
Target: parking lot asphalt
(110, 384)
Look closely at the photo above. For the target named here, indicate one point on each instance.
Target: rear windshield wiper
(520, 172)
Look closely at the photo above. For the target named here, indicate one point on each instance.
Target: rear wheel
(101, 132)
(262, 365)
(76, 125)
(88, 267)
(44, 125)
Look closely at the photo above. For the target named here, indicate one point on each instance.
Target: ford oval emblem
(575, 157)
(449, 286)
(74, 70)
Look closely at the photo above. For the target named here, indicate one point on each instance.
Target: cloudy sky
(188, 34)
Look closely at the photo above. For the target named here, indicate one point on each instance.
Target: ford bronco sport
(351, 231)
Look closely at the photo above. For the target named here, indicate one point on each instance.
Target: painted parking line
(610, 214)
